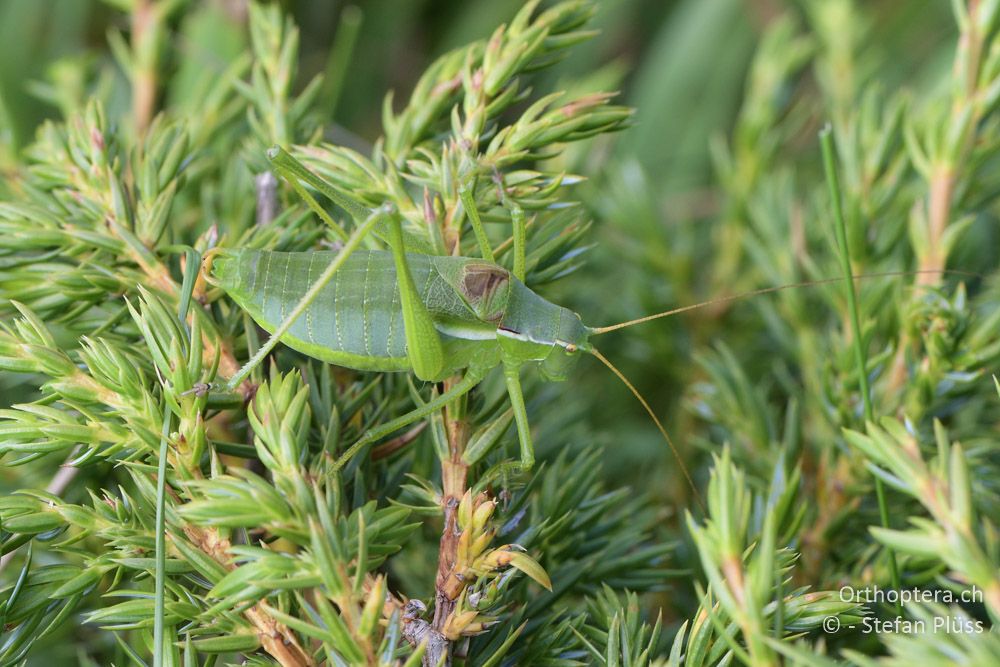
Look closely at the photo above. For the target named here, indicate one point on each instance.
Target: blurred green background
(692, 202)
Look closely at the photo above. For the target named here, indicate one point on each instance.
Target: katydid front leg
(520, 239)
(467, 193)
(518, 227)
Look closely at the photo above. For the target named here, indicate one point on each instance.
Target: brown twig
(275, 638)
(145, 19)
(267, 197)
(66, 474)
(943, 179)
(453, 472)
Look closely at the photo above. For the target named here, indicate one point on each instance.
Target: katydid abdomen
(482, 313)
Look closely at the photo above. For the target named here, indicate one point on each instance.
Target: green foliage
(265, 548)
(115, 418)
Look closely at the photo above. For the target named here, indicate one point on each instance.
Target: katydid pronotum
(394, 310)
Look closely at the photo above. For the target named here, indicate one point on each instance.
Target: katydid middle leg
(512, 376)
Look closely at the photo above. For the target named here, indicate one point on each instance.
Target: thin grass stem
(192, 265)
(833, 182)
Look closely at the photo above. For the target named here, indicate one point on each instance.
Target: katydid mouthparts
(437, 316)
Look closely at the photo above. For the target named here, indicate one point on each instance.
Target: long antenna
(659, 425)
(767, 290)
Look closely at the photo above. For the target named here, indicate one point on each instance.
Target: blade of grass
(18, 587)
(192, 264)
(833, 182)
(161, 549)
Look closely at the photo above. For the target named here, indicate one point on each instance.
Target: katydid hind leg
(512, 376)
(295, 171)
(424, 347)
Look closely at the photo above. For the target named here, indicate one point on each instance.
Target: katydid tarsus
(393, 310)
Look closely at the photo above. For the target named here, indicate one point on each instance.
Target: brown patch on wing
(481, 280)
(480, 284)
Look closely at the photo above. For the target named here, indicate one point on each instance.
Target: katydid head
(568, 344)
(535, 330)
(556, 357)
